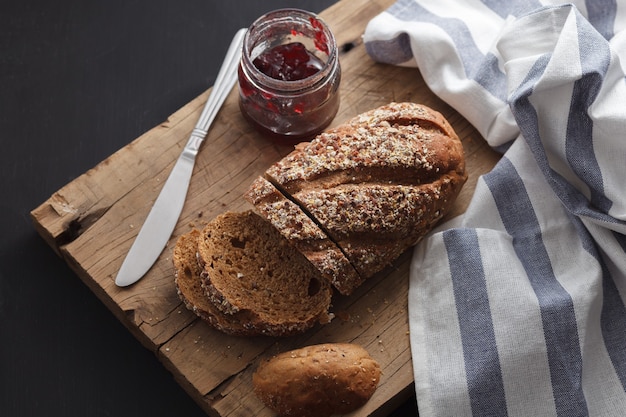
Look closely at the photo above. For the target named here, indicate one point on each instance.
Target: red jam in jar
(288, 62)
(289, 75)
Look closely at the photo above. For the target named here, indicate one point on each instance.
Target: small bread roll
(317, 381)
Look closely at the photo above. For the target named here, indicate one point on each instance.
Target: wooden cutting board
(92, 221)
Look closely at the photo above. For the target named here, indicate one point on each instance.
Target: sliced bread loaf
(335, 211)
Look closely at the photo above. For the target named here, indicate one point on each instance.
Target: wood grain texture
(92, 221)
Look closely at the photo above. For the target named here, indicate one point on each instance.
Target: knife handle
(224, 82)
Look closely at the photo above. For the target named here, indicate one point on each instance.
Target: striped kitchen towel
(517, 308)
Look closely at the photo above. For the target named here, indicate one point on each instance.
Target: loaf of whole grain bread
(335, 211)
(373, 186)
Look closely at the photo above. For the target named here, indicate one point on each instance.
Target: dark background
(78, 81)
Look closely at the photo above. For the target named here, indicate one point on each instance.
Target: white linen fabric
(517, 308)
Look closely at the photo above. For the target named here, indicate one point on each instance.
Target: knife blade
(159, 225)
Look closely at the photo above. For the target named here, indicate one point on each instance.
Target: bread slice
(189, 288)
(250, 268)
(378, 183)
(304, 234)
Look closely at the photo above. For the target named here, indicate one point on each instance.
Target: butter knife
(159, 225)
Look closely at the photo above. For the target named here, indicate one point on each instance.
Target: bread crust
(375, 224)
(399, 143)
(317, 381)
(304, 234)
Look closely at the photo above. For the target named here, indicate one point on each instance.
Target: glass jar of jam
(289, 75)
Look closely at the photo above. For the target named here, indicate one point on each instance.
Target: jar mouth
(283, 26)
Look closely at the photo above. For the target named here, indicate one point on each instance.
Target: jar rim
(312, 20)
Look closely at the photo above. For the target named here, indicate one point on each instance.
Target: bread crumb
(343, 315)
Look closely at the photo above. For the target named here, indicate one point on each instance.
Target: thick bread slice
(189, 287)
(377, 183)
(248, 266)
(304, 234)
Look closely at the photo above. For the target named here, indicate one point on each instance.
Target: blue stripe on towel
(579, 140)
(557, 310)
(482, 363)
(613, 313)
(482, 68)
(601, 14)
(613, 323)
(510, 7)
(392, 51)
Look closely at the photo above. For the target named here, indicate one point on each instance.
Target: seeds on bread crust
(400, 144)
(376, 224)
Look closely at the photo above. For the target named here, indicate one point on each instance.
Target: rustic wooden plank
(92, 221)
